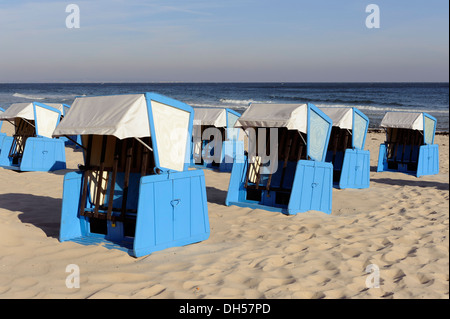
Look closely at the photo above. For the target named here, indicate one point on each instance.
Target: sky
(224, 41)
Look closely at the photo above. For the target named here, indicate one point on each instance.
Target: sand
(400, 225)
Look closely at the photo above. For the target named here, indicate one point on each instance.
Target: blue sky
(228, 40)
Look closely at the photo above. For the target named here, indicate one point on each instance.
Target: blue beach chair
(135, 192)
(2, 135)
(351, 163)
(216, 151)
(409, 145)
(294, 177)
(32, 147)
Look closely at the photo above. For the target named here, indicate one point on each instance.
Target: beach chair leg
(117, 153)
(286, 158)
(100, 175)
(129, 154)
(86, 176)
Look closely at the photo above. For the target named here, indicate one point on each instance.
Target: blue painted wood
(420, 160)
(352, 166)
(43, 154)
(307, 184)
(236, 191)
(169, 213)
(71, 226)
(171, 208)
(355, 171)
(40, 154)
(133, 190)
(426, 157)
(428, 163)
(1, 134)
(311, 188)
(382, 158)
(5, 147)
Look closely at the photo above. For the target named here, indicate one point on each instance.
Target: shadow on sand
(41, 211)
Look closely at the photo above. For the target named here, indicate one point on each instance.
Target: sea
(373, 99)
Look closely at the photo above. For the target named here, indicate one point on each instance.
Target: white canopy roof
(22, 110)
(210, 116)
(120, 115)
(291, 116)
(341, 116)
(408, 120)
(45, 121)
(25, 110)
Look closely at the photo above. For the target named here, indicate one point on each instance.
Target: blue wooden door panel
(181, 204)
(199, 222)
(172, 211)
(312, 188)
(43, 154)
(428, 160)
(356, 169)
(163, 193)
(382, 160)
(70, 223)
(145, 234)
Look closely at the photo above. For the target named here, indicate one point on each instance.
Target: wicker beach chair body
(134, 192)
(294, 177)
(32, 147)
(351, 163)
(409, 145)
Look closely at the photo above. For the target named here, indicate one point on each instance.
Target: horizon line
(199, 82)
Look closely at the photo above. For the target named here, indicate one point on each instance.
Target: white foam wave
(55, 97)
(29, 97)
(386, 109)
(241, 102)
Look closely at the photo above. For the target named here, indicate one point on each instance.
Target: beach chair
(2, 135)
(409, 145)
(218, 150)
(32, 147)
(294, 177)
(351, 163)
(135, 192)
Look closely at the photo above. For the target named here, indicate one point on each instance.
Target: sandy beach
(400, 225)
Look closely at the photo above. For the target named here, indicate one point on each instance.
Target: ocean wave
(372, 109)
(334, 101)
(29, 97)
(242, 102)
(48, 97)
(386, 109)
(238, 108)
